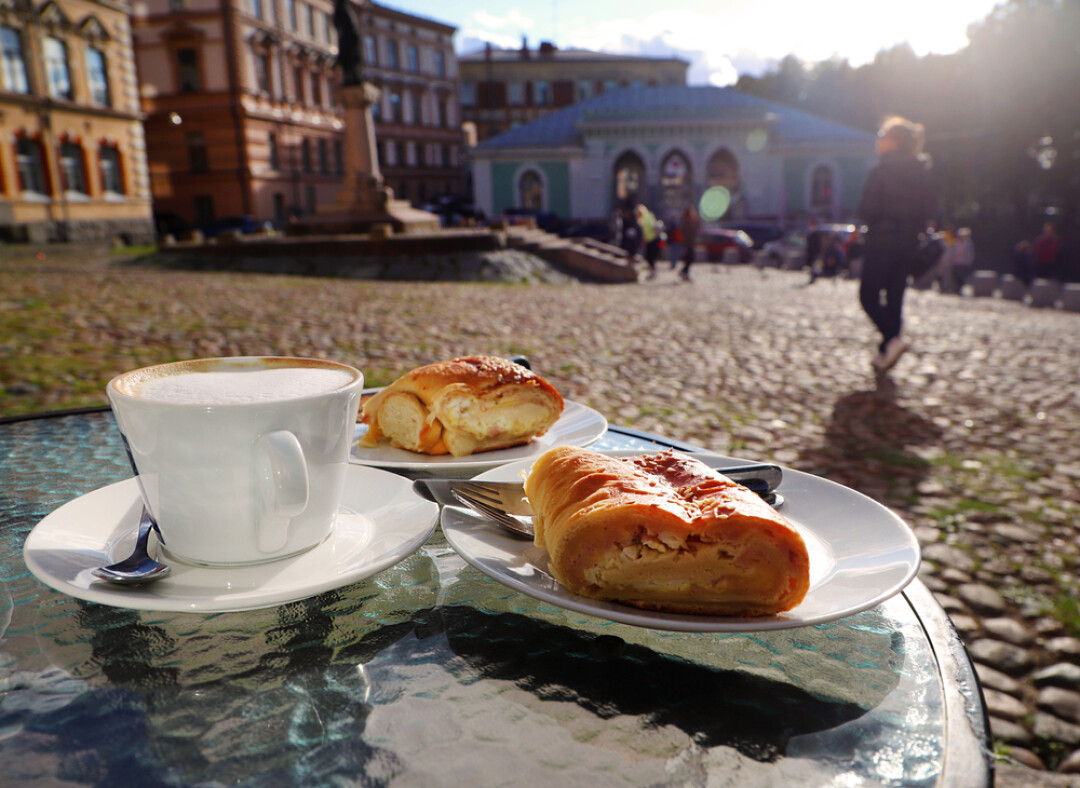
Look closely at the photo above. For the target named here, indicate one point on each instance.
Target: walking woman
(897, 204)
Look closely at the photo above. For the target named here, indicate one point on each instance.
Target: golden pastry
(664, 532)
(462, 406)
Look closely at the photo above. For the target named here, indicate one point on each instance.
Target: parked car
(454, 210)
(169, 223)
(241, 224)
(760, 233)
(717, 240)
(599, 230)
(793, 245)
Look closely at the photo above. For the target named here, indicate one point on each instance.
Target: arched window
(629, 179)
(822, 191)
(531, 191)
(675, 182)
(112, 177)
(723, 170)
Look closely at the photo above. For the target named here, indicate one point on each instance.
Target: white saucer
(381, 522)
(579, 425)
(860, 555)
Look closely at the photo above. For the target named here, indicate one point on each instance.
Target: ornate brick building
(241, 115)
(72, 154)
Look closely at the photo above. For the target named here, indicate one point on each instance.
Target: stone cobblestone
(972, 438)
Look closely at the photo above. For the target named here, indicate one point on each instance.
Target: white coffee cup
(241, 460)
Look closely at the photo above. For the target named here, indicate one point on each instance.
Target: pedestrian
(689, 226)
(814, 241)
(1045, 252)
(833, 259)
(650, 237)
(897, 204)
(962, 258)
(629, 234)
(1022, 262)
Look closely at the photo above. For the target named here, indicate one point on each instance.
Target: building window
(257, 8)
(610, 85)
(541, 92)
(12, 64)
(468, 94)
(204, 209)
(298, 84)
(414, 59)
(196, 148)
(28, 161)
(176, 6)
(376, 111)
(399, 154)
(316, 89)
(584, 90)
(279, 209)
(515, 94)
(421, 156)
(97, 76)
(531, 191)
(290, 13)
(262, 71)
(275, 161)
(444, 113)
(187, 61)
(324, 157)
(392, 48)
(445, 156)
(112, 177)
(309, 194)
(309, 12)
(305, 155)
(73, 168)
(56, 69)
(395, 107)
(339, 160)
(440, 63)
(822, 190)
(371, 50)
(417, 109)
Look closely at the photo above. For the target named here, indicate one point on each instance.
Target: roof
(675, 102)
(559, 55)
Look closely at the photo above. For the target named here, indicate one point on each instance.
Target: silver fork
(518, 526)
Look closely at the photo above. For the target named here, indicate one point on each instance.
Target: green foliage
(1002, 126)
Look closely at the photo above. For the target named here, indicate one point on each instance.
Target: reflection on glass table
(429, 673)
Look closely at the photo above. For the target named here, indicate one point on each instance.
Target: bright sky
(720, 38)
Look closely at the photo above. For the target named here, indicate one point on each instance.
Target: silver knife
(762, 478)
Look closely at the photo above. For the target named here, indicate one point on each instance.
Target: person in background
(815, 238)
(897, 204)
(650, 236)
(1022, 261)
(689, 226)
(833, 260)
(962, 258)
(629, 234)
(1045, 252)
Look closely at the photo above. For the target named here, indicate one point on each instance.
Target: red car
(718, 240)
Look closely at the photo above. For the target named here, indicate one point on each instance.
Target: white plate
(579, 425)
(860, 555)
(381, 522)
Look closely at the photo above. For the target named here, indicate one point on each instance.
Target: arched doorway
(676, 190)
(531, 191)
(722, 171)
(629, 180)
(823, 191)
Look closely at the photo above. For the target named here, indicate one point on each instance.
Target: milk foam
(243, 386)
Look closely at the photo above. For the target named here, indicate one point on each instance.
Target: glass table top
(429, 673)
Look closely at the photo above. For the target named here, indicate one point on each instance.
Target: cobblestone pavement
(973, 438)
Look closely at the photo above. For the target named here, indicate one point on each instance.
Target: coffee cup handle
(283, 487)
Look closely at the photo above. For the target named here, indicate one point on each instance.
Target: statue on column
(350, 57)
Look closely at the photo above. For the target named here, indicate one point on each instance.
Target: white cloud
(513, 19)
